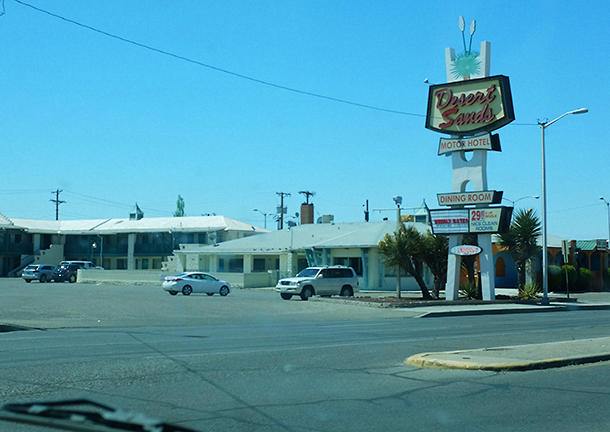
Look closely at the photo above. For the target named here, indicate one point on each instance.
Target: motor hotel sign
(467, 108)
(479, 142)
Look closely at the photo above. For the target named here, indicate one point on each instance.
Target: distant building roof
(136, 213)
(339, 235)
(115, 226)
(587, 245)
(5, 221)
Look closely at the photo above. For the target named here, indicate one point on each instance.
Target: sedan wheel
(224, 291)
(173, 292)
(187, 290)
(27, 280)
(210, 294)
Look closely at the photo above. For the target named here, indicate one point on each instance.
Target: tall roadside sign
(468, 108)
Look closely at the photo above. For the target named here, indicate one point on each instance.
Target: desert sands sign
(470, 107)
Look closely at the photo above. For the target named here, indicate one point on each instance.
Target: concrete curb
(518, 358)
(508, 310)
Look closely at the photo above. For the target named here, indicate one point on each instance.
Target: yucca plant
(469, 291)
(529, 291)
(521, 241)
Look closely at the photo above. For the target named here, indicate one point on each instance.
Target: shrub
(470, 291)
(583, 281)
(556, 278)
(572, 276)
(606, 279)
(529, 291)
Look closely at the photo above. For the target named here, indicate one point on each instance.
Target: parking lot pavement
(65, 305)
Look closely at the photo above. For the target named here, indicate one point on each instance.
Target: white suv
(86, 265)
(324, 281)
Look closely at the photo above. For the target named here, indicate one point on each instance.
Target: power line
(217, 69)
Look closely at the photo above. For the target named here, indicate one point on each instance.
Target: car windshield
(331, 227)
(308, 272)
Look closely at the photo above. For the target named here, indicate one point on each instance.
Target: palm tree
(435, 253)
(521, 241)
(404, 250)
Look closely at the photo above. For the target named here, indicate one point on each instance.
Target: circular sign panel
(466, 250)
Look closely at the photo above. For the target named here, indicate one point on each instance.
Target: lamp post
(545, 270)
(608, 207)
(264, 214)
(398, 201)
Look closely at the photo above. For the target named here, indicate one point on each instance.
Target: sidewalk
(518, 358)
(440, 308)
(522, 357)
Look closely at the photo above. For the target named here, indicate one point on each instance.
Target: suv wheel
(306, 293)
(286, 296)
(347, 291)
(72, 278)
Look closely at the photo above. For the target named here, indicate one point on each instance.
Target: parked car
(323, 280)
(66, 272)
(39, 272)
(87, 265)
(195, 282)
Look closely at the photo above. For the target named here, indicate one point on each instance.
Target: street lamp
(545, 270)
(264, 214)
(608, 207)
(398, 201)
(513, 202)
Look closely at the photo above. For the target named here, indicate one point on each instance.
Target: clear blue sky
(112, 123)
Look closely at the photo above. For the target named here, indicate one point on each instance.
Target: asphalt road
(254, 362)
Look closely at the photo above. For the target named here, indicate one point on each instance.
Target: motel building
(141, 250)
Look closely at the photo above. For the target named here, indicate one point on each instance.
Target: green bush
(572, 276)
(556, 278)
(529, 291)
(583, 281)
(606, 276)
(470, 291)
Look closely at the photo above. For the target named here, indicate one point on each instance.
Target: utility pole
(281, 209)
(307, 195)
(57, 202)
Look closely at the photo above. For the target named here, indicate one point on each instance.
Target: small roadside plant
(469, 291)
(529, 291)
(583, 280)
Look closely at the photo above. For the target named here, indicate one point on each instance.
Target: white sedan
(195, 282)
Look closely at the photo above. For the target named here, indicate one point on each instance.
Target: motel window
(355, 263)
(258, 265)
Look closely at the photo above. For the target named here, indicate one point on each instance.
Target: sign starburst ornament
(468, 63)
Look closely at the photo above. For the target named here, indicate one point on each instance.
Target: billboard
(466, 108)
(487, 220)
